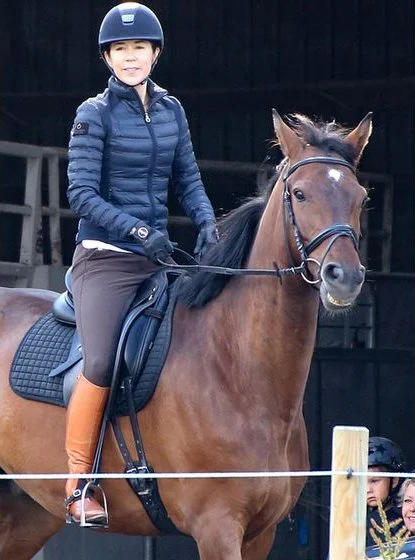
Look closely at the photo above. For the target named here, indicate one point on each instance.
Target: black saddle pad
(43, 348)
(47, 344)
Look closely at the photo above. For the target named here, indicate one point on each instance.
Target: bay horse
(231, 392)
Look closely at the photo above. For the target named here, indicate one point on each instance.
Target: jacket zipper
(150, 194)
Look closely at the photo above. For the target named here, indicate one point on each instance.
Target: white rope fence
(349, 473)
(202, 475)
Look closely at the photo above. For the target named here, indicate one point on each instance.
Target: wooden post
(31, 222)
(54, 205)
(348, 493)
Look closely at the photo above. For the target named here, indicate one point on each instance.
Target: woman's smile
(131, 69)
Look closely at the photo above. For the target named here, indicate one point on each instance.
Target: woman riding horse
(231, 391)
(118, 186)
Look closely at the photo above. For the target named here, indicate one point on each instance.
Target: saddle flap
(142, 333)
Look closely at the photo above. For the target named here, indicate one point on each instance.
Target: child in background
(384, 456)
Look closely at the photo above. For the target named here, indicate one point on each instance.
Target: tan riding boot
(83, 423)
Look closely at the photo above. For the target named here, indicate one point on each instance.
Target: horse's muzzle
(340, 286)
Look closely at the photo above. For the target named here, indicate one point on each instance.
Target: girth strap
(145, 488)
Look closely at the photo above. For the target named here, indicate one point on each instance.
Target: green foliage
(389, 545)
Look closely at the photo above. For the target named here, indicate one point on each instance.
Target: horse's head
(323, 201)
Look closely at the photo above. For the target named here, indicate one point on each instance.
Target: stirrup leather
(80, 495)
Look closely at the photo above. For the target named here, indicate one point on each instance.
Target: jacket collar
(123, 91)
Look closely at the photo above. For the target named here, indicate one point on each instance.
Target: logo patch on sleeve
(80, 128)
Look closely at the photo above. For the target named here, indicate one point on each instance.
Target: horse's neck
(262, 339)
(278, 319)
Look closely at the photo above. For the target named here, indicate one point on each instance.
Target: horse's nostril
(333, 272)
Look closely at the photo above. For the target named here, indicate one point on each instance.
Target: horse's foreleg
(218, 538)
(24, 525)
(259, 547)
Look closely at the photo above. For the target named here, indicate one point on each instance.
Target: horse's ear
(359, 137)
(288, 140)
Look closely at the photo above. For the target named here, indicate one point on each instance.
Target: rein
(226, 271)
(336, 230)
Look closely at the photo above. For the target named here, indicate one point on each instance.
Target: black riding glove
(155, 244)
(208, 236)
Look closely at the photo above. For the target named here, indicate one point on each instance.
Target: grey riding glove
(208, 236)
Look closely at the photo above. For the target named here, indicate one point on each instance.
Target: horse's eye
(299, 195)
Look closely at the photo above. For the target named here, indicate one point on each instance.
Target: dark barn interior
(230, 63)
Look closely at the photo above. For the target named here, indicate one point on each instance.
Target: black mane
(237, 230)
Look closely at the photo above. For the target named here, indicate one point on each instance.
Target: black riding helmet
(384, 452)
(129, 21)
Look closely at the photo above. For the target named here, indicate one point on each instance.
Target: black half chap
(104, 286)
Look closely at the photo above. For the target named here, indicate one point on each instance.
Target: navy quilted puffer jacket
(121, 159)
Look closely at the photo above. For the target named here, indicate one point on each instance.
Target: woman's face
(378, 487)
(131, 61)
(408, 508)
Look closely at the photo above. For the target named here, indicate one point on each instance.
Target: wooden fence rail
(32, 210)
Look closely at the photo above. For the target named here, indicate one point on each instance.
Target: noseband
(336, 230)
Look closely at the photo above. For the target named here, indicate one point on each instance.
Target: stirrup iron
(90, 487)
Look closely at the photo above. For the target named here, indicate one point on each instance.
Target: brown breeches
(104, 285)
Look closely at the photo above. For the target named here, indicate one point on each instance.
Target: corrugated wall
(230, 61)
